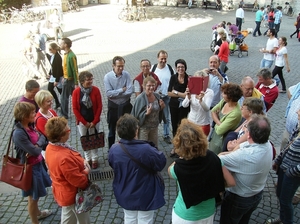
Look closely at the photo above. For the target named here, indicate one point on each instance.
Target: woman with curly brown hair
(199, 174)
(226, 114)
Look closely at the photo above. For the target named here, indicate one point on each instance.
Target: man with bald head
(216, 78)
(249, 90)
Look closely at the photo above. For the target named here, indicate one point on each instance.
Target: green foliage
(15, 3)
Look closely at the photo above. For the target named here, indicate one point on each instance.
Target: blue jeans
(238, 210)
(166, 111)
(266, 63)
(286, 189)
(67, 90)
(257, 28)
(277, 28)
(239, 22)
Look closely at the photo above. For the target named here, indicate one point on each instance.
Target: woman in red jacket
(223, 52)
(68, 170)
(87, 107)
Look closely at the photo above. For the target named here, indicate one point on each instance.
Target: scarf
(200, 178)
(86, 100)
(65, 145)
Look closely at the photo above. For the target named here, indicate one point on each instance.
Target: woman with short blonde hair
(44, 100)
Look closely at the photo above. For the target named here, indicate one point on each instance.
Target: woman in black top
(56, 72)
(177, 91)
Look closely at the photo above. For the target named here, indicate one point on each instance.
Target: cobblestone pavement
(98, 36)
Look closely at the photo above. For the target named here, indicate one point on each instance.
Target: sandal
(94, 164)
(44, 214)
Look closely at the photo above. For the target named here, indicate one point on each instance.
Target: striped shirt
(291, 159)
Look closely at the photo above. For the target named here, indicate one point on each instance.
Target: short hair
(284, 40)
(233, 91)
(23, 110)
(181, 61)
(220, 30)
(67, 41)
(216, 57)
(229, 23)
(259, 128)
(148, 79)
(273, 32)
(247, 79)
(84, 75)
(41, 96)
(127, 126)
(190, 141)
(161, 52)
(118, 58)
(200, 73)
(55, 128)
(31, 84)
(262, 8)
(265, 73)
(223, 36)
(145, 60)
(254, 105)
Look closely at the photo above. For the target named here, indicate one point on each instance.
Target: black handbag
(93, 141)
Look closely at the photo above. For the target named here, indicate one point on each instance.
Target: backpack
(169, 66)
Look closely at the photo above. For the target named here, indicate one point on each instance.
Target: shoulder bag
(162, 183)
(93, 141)
(87, 199)
(13, 172)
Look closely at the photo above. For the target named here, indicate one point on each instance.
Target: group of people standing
(162, 94)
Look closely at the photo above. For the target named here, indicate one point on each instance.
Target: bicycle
(73, 6)
(141, 13)
(4, 16)
(129, 13)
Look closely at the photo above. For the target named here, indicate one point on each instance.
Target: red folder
(198, 84)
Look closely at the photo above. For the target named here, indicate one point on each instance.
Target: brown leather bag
(14, 173)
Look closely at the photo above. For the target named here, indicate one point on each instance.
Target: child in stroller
(238, 44)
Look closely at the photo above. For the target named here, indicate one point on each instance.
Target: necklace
(48, 115)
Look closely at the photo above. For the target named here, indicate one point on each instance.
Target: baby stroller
(238, 44)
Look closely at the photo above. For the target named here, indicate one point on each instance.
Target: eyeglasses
(145, 66)
(181, 67)
(150, 86)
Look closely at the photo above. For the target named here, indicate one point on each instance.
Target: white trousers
(177, 220)
(138, 217)
(91, 154)
(69, 216)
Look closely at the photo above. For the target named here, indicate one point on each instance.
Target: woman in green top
(199, 175)
(226, 115)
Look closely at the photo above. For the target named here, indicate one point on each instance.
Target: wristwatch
(176, 92)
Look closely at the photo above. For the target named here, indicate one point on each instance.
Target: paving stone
(184, 34)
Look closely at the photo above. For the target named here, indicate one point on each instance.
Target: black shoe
(167, 139)
(291, 36)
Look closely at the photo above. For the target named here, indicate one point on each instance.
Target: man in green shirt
(258, 18)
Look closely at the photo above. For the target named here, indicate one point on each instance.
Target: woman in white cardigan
(200, 105)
